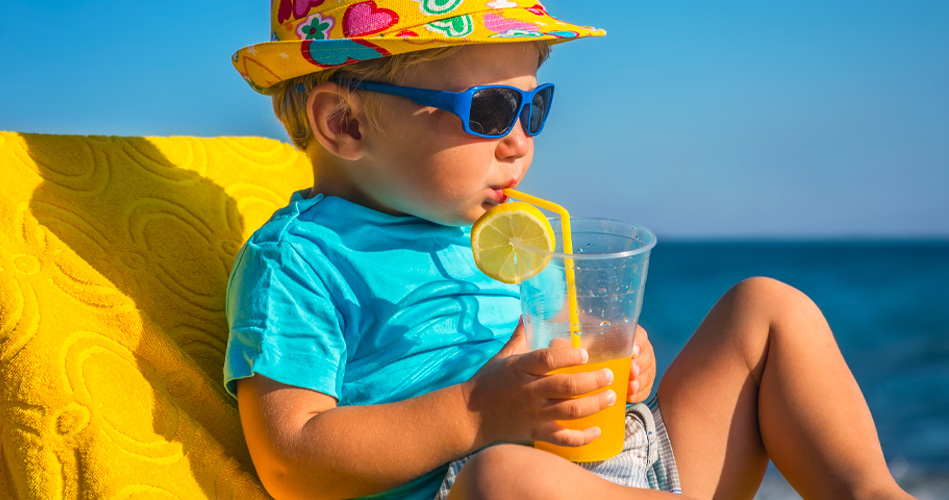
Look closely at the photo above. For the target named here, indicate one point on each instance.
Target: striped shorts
(645, 462)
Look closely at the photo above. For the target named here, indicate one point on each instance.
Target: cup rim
(555, 221)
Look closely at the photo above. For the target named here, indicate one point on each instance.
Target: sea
(888, 306)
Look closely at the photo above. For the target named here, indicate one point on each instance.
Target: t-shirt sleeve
(284, 323)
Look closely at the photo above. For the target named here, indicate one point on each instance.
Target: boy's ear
(334, 113)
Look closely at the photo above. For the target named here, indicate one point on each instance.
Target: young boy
(370, 356)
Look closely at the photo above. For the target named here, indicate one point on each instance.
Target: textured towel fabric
(114, 258)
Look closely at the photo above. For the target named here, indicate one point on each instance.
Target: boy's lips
(499, 195)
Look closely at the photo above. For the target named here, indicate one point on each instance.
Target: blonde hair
(290, 96)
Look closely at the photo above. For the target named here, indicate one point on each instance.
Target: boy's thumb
(516, 344)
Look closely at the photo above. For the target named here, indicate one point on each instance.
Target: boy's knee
(767, 308)
(494, 472)
(769, 296)
(499, 461)
(762, 287)
(780, 310)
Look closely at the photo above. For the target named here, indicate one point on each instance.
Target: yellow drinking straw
(567, 249)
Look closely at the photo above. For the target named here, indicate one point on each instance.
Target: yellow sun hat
(313, 35)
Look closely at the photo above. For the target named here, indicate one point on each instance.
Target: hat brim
(264, 65)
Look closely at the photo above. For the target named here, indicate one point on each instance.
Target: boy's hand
(512, 399)
(642, 371)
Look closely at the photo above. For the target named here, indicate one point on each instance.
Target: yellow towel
(114, 258)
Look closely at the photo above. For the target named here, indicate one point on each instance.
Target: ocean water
(888, 305)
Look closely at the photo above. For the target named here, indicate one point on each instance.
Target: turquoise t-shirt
(363, 306)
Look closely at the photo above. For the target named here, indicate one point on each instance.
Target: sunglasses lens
(540, 108)
(494, 111)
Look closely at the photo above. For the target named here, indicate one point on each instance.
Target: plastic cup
(609, 261)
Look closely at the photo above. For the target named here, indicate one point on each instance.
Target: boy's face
(421, 162)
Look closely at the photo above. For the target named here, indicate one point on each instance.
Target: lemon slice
(502, 238)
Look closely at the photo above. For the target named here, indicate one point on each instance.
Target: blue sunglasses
(488, 111)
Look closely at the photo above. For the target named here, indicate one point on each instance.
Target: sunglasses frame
(459, 103)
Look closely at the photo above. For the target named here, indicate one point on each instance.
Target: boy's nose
(515, 144)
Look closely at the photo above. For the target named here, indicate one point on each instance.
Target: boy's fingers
(572, 409)
(646, 365)
(642, 340)
(544, 361)
(578, 408)
(640, 382)
(633, 395)
(562, 386)
(641, 334)
(560, 342)
(571, 437)
(516, 344)
(633, 388)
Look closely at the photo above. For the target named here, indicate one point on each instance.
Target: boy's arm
(304, 446)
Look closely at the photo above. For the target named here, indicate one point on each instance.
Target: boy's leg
(762, 376)
(518, 472)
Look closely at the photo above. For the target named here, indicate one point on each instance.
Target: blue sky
(699, 119)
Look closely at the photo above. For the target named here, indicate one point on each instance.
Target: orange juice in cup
(581, 283)
(601, 277)
(610, 442)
